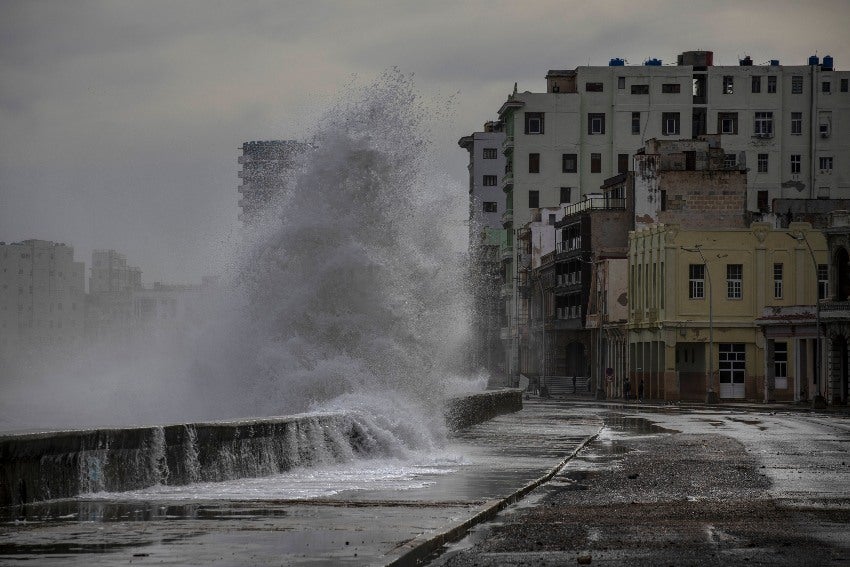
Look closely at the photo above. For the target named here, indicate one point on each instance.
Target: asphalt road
(647, 485)
(665, 486)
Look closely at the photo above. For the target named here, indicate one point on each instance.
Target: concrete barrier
(45, 466)
(468, 410)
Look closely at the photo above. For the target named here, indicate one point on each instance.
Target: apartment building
(784, 126)
(42, 297)
(486, 206)
(702, 302)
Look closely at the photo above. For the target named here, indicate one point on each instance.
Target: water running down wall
(45, 466)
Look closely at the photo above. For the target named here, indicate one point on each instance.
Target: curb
(415, 551)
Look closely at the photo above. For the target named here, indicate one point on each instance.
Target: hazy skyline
(120, 122)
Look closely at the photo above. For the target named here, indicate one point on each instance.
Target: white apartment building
(788, 125)
(486, 168)
(42, 297)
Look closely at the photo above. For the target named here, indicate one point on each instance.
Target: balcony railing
(569, 245)
(508, 143)
(596, 203)
(827, 305)
(508, 216)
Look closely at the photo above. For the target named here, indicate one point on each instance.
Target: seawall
(45, 466)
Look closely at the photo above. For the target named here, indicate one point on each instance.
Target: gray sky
(120, 121)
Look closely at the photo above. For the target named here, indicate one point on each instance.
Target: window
(823, 128)
(734, 281)
(533, 199)
(621, 83)
(762, 163)
(777, 281)
(796, 160)
(595, 123)
(825, 163)
(825, 87)
(797, 84)
(730, 161)
(593, 87)
(797, 123)
(489, 153)
(491, 207)
(595, 163)
(663, 200)
(771, 84)
(823, 281)
(569, 163)
(635, 122)
(622, 163)
(844, 85)
(671, 88)
(566, 193)
(696, 282)
(670, 123)
(728, 84)
(727, 122)
(756, 83)
(552, 219)
(490, 181)
(533, 122)
(533, 163)
(640, 89)
(780, 365)
(763, 124)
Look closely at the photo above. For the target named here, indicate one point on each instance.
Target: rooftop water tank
(813, 60)
(827, 63)
(652, 62)
(774, 62)
(746, 61)
(616, 62)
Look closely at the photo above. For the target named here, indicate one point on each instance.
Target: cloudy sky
(120, 121)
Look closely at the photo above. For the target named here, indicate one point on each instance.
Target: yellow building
(701, 302)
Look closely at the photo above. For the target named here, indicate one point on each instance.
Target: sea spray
(347, 295)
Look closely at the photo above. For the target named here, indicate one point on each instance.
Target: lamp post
(710, 394)
(818, 399)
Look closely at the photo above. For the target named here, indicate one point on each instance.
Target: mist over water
(347, 295)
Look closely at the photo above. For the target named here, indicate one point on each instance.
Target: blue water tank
(813, 60)
(827, 63)
(774, 62)
(617, 62)
(652, 62)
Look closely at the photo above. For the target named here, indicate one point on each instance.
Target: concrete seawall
(54, 465)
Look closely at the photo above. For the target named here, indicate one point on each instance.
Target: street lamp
(710, 395)
(818, 399)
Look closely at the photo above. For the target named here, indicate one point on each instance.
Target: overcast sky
(120, 122)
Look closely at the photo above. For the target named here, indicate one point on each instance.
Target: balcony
(508, 144)
(570, 245)
(596, 204)
(507, 217)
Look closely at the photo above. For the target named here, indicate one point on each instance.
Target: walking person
(640, 391)
(627, 388)
(574, 384)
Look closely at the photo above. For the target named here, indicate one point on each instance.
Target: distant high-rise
(42, 296)
(264, 165)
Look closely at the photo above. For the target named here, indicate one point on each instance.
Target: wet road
(664, 486)
(658, 484)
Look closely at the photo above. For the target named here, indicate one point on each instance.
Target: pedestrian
(574, 384)
(640, 391)
(627, 388)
